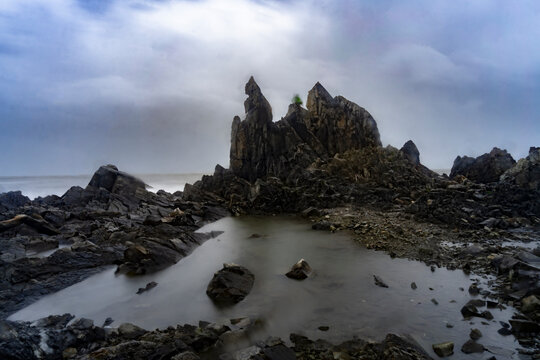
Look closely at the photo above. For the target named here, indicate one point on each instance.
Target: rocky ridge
(325, 162)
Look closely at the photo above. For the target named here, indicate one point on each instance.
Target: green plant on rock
(296, 99)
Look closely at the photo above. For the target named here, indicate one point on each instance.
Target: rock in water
(472, 347)
(148, 286)
(230, 284)
(444, 349)
(379, 281)
(300, 270)
(484, 169)
(475, 334)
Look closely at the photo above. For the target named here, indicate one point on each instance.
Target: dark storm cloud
(153, 85)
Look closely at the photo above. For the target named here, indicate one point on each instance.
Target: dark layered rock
(526, 172)
(411, 153)
(231, 284)
(101, 225)
(486, 168)
(338, 123)
(300, 270)
(260, 147)
(12, 200)
(111, 179)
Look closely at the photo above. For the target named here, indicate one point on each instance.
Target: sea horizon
(44, 185)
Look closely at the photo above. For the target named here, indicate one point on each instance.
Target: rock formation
(260, 147)
(231, 284)
(410, 151)
(526, 172)
(486, 168)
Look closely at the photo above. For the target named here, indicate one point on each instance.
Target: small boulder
(530, 304)
(230, 284)
(444, 349)
(130, 331)
(148, 286)
(472, 347)
(475, 334)
(379, 281)
(300, 270)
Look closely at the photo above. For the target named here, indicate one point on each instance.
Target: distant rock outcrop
(526, 172)
(486, 168)
(260, 147)
(411, 153)
(118, 182)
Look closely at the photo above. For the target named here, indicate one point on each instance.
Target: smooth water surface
(341, 294)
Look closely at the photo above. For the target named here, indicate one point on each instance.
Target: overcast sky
(153, 86)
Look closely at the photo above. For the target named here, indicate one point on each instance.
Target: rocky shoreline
(325, 163)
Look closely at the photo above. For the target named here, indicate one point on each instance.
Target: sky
(153, 85)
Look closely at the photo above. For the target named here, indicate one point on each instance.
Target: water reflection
(341, 293)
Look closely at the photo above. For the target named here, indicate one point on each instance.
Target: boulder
(36, 222)
(231, 284)
(379, 281)
(130, 331)
(526, 172)
(486, 168)
(13, 199)
(444, 349)
(472, 347)
(118, 182)
(411, 153)
(530, 304)
(300, 270)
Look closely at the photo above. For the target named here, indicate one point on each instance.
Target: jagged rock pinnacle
(318, 97)
(261, 148)
(411, 152)
(257, 102)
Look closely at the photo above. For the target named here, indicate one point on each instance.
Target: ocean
(34, 186)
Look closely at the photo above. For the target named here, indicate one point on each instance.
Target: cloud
(155, 84)
(424, 65)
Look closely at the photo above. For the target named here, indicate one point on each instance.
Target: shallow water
(341, 294)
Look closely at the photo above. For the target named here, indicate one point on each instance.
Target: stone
(486, 168)
(474, 289)
(526, 172)
(111, 179)
(300, 270)
(472, 347)
(379, 281)
(413, 286)
(130, 331)
(13, 199)
(69, 353)
(186, 355)
(148, 286)
(530, 304)
(279, 352)
(36, 222)
(524, 326)
(444, 349)
(231, 284)
(475, 334)
(411, 153)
